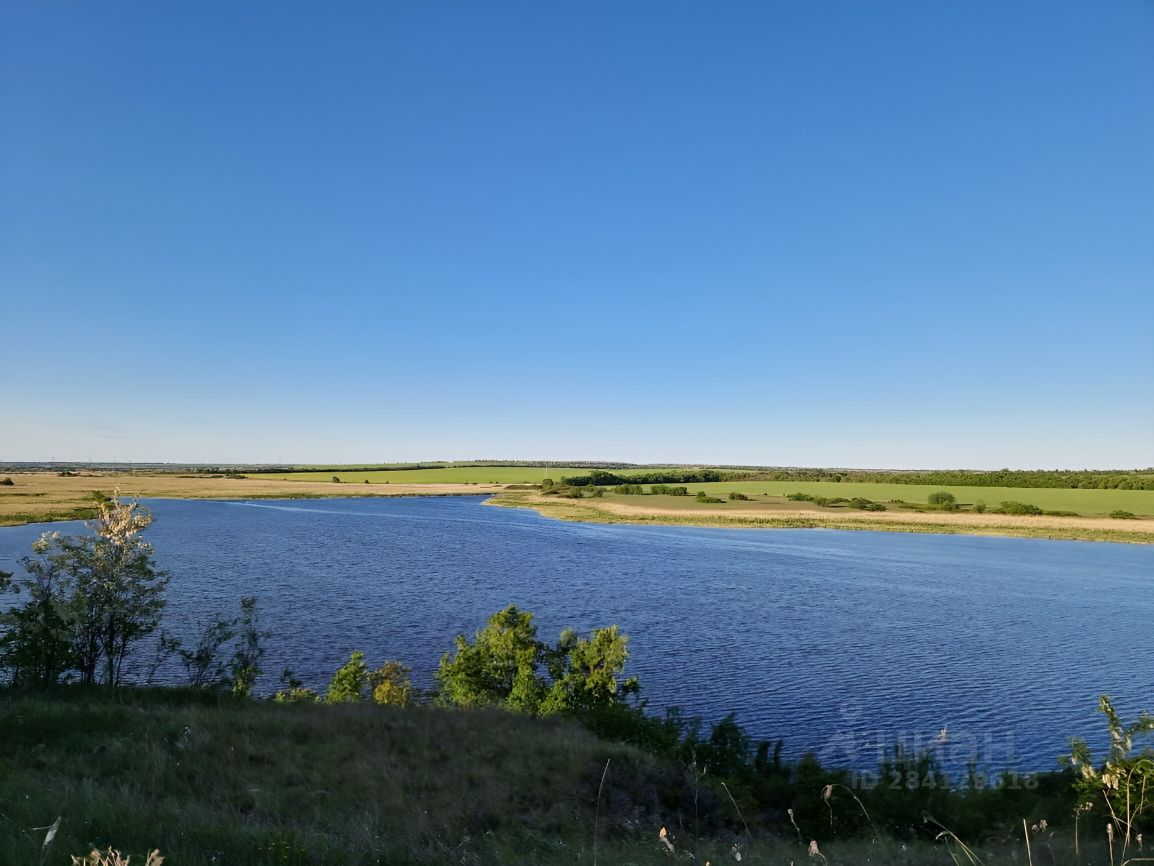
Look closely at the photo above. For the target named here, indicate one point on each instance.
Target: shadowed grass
(262, 782)
(209, 780)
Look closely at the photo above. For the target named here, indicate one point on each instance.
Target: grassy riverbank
(210, 780)
(35, 497)
(38, 497)
(686, 511)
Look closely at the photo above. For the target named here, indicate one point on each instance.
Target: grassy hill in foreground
(213, 781)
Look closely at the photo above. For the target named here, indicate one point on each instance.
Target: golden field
(44, 496)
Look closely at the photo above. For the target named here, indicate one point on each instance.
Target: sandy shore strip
(608, 511)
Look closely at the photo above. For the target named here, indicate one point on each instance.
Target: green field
(448, 475)
(1087, 502)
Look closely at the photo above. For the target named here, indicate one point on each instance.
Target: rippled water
(830, 640)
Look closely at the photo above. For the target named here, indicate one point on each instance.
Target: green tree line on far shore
(1139, 479)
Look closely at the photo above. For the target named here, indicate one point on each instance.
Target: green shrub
(865, 504)
(351, 682)
(1011, 507)
(392, 686)
(702, 496)
(666, 490)
(1123, 515)
(800, 497)
(738, 497)
(8, 482)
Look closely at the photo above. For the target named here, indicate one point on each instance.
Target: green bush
(1123, 515)
(7, 482)
(702, 496)
(865, 504)
(738, 497)
(351, 682)
(1011, 507)
(666, 490)
(944, 500)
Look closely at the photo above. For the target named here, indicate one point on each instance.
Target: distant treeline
(284, 469)
(664, 476)
(1138, 479)
(1086, 479)
(404, 467)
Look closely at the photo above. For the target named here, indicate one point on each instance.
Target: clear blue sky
(818, 232)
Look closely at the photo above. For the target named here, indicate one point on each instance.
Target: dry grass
(44, 496)
(680, 511)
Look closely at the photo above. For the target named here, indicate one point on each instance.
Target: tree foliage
(350, 683)
(206, 664)
(507, 665)
(88, 601)
(392, 685)
(1123, 785)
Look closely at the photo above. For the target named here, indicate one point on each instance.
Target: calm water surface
(835, 641)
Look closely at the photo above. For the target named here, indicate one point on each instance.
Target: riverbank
(43, 497)
(47, 497)
(675, 511)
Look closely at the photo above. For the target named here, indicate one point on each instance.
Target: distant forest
(1138, 479)
(1083, 479)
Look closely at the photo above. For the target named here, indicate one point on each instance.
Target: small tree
(120, 588)
(350, 683)
(244, 668)
(506, 665)
(91, 599)
(36, 644)
(588, 672)
(203, 665)
(498, 668)
(942, 498)
(293, 691)
(392, 685)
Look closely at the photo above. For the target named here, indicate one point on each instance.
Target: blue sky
(799, 232)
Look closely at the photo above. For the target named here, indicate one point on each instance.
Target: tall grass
(210, 780)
